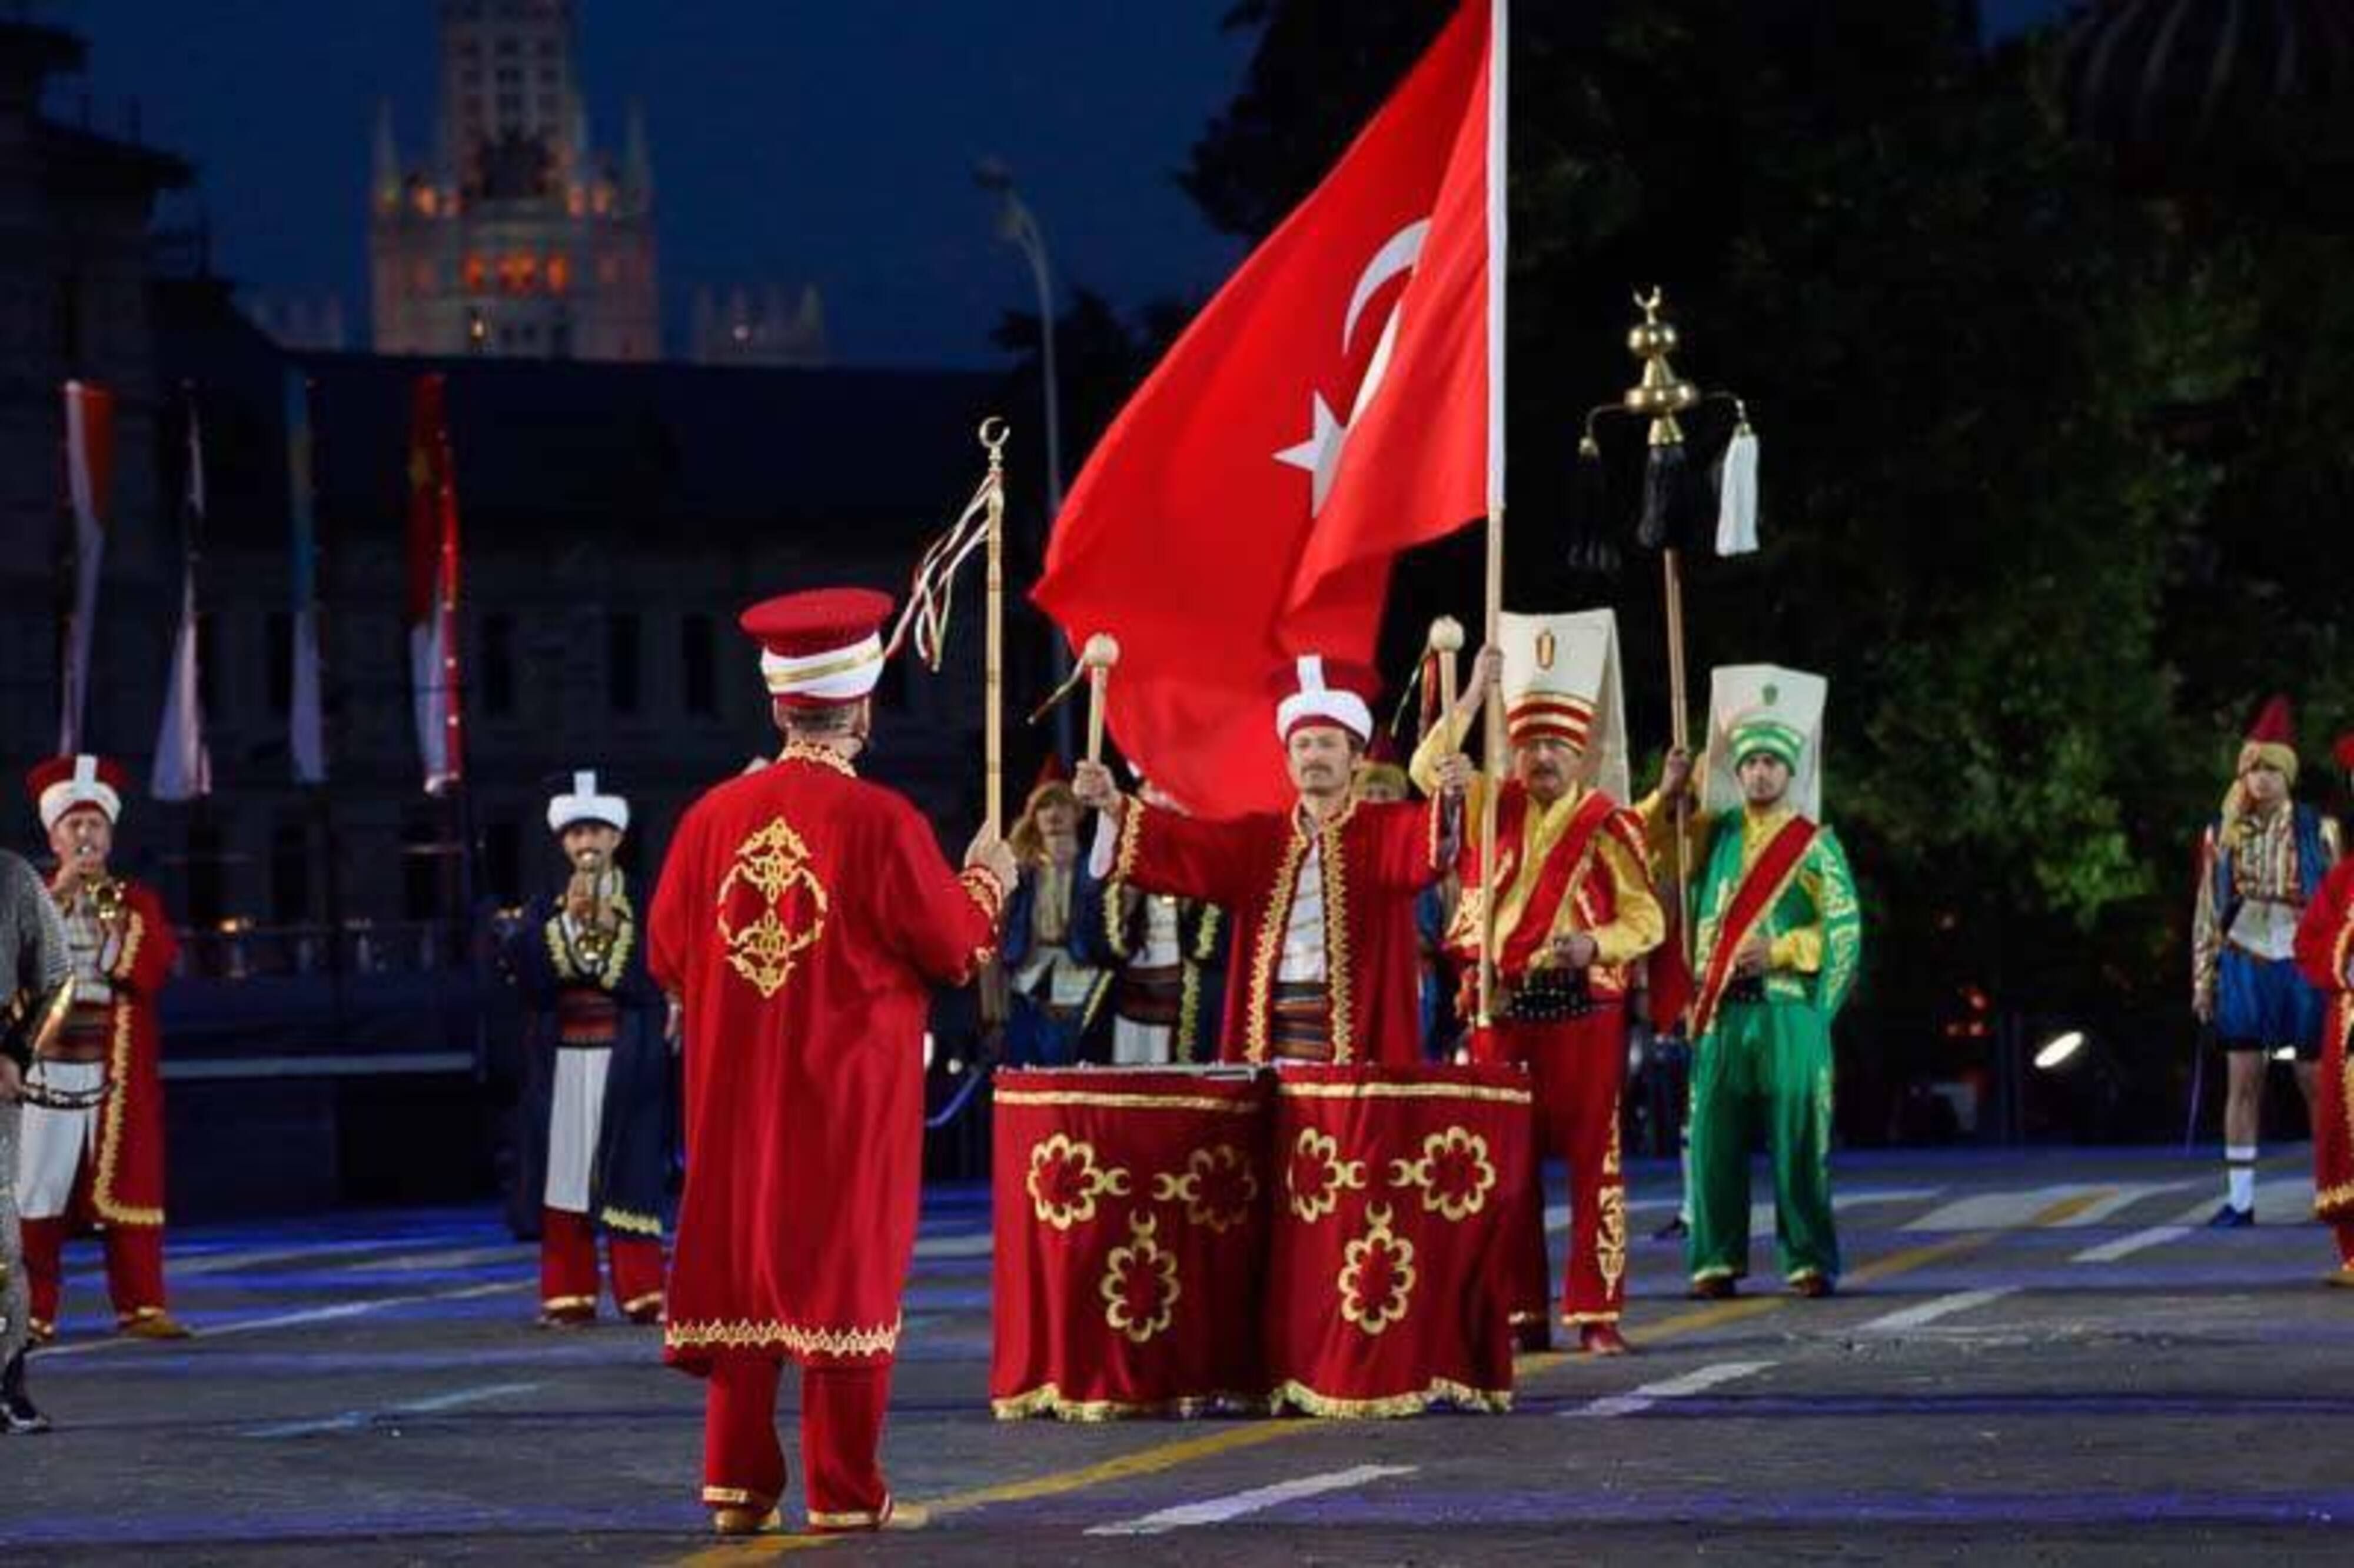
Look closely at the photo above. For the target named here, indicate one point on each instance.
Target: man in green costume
(1776, 939)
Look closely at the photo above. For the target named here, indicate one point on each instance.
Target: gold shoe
(2343, 1278)
(743, 1522)
(155, 1323)
(906, 1516)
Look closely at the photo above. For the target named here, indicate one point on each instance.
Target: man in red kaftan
(803, 918)
(1324, 965)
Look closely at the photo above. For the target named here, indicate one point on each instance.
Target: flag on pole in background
(184, 768)
(431, 610)
(1336, 403)
(89, 483)
(306, 722)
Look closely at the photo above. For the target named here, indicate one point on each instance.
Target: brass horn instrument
(107, 898)
(594, 944)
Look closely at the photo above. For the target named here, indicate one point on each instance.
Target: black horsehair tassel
(1675, 498)
(1591, 548)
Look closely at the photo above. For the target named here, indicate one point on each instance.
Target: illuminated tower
(519, 239)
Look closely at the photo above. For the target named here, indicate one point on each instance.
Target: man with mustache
(93, 1153)
(1323, 896)
(1777, 937)
(1574, 916)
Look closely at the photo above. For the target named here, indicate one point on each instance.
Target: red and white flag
(1339, 401)
(184, 767)
(431, 610)
(90, 484)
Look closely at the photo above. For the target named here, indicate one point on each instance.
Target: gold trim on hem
(1126, 1101)
(1439, 1390)
(862, 1519)
(566, 1303)
(110, 1125)
(735, 1497)
(1048, 1399)
(638, 1303)
(1580, 1320)
(630, 1219)
(794, 1338)
(1378, 1091)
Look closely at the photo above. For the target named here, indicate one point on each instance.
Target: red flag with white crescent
(1336, 403)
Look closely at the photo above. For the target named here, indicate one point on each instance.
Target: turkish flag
(1334, 404)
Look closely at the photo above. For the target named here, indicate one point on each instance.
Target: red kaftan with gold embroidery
(126, 1179)
(2325, 948)
(804, 916)
(1373, 858)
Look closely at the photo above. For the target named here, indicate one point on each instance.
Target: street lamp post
(1018, 226)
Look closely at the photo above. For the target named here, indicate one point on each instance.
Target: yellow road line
(1169, 1456)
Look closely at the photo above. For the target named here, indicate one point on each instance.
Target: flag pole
(1678, 731)
(992, 433)
(1492, 714)
(1492, 744)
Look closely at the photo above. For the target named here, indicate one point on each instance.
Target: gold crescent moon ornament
(994, 431)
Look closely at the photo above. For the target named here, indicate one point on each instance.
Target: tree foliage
(2051, 467)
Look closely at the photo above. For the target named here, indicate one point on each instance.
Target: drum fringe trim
(1440, 1391)
(1049, 1400)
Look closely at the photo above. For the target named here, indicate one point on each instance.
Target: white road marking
(2277, 1201)
(2004, 1211)
(1651, 1394)
(351, 1420)
(1761, 1214)
(460, 1257)
(2125, 1197)
(327, 1314)
(1217, 1510)
(1936, 1307)
(179, 1264)
(2132, 1242)
(977, 1245)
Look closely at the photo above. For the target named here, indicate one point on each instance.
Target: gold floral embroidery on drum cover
(1317, 1174)
(1455, 1173)
(1218, 1187)
(1064, 1180)
(772, 907)
(1377, 1274)
(1140, 1283)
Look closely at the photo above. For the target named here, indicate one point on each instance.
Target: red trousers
(135, 1269)
(842, 1441)
(568, 1267)
(1577, 1068)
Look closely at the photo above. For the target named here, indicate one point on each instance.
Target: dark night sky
(822, 139)
(792, 140)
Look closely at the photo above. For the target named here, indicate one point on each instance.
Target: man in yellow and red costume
(1323, 896)
(804, 916)
(92, 1150)
(1576, 915)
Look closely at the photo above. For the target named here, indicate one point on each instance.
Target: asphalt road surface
(2036, 1357)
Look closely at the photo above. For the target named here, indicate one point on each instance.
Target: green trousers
(1766, 1062)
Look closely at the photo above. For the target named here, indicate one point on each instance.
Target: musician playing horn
(92, 1154)
(596, 1071)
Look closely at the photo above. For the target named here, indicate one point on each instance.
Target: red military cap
(819, 648)
(61, 784)
(1313, 690)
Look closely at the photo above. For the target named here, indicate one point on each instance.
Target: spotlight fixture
(2059, 1049)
